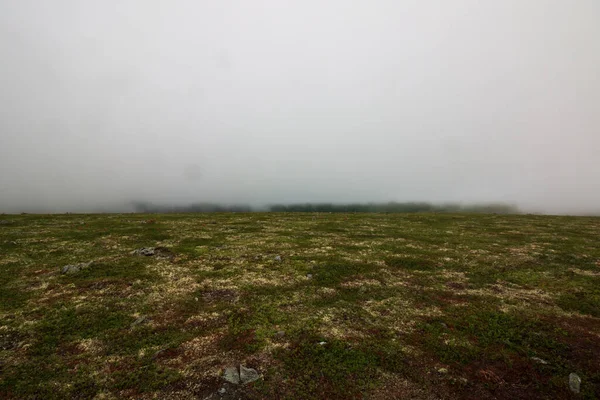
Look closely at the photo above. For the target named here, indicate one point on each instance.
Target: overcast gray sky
(103, 102)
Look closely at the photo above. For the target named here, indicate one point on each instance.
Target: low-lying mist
(264, 102)
(390, 207)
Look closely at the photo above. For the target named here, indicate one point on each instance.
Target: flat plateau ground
(375, 306)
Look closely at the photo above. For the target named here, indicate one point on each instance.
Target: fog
(107, 102)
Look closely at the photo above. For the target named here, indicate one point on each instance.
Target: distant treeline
(142, 207)
(391, 207)
(394, 207)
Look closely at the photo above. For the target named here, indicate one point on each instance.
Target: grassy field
(376, 306)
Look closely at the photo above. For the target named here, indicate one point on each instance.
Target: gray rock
(5, 222)
(158, 354)
(74, 268)
(138, 321)
(159, 252)
(280, 334)
(232, 375)
(574, 382)
(309, 276)
(9, 340)
(278, 258)
(539, 360)
(144, 251)
(248, 375)
(243, 375)
(222, 391)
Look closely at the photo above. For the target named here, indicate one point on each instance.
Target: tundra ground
(323, 306)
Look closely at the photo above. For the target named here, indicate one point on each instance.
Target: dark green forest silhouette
(390, 207)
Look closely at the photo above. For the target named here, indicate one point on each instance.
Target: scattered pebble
(248, 375)
(322, 343)
(232, 375)
(309, 276)
(74, 268)
(144, 251)
(278, 258)
(280, 333)
(158, 354)
(160, 252)
(574, 382)
(243, 376)
(138, 321)
(222, 391)
(539, 360)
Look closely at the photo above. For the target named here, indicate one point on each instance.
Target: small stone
(309, 276)
(69, 269)
(322, 343)
(138, 321)
(5, 222)
(248, 375)
(159, 252)
(74, 268)
(222, 391)
(158, 354)
(539, 360)
(574, 382)
(144, 251)
(280, 333)
(442, 370)
(278, 258)
(232, 375)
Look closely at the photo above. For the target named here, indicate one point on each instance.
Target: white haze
(105, 102)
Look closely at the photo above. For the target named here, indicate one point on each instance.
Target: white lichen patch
(326, 292)
(176, 283)
(39, 286)
(206, 318)
(9, 259)
(511, 292)
(201, 351)
(91, 345)
(398, 313)
(585, 272)
(361, 283)
(334, 324)
(457, 342)
(394, 278)
(454, 276)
